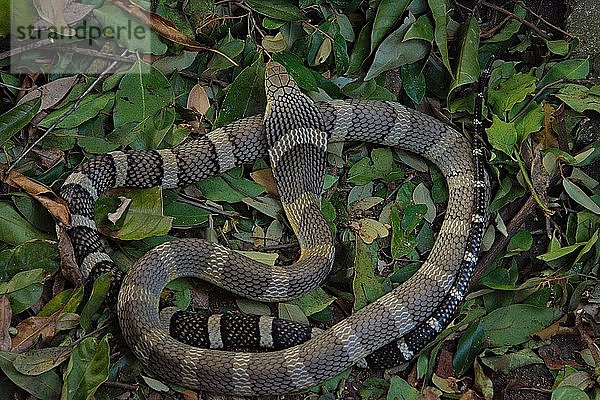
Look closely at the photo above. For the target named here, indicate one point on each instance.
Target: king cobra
(294, 133)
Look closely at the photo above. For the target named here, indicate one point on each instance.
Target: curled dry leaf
(115, 216)
(198, 100)
(42, 193)
(5, 318)
(68, 265)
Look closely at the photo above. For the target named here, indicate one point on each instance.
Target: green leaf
(250, 82)
(439, 9)
(38, 361)
(24, 289)
(512, 27)
(555, 254)
(17, 118)
(571, 69)
(512, 91)
(314, 301)
(421, 29)
(365, 285)
(229, 188)
(502, 135)
(558, 47)
(579, 98)
(87, 369)
(521, 241)
(145, 96)
(388, 13)
(467, 69)
(46, 386)
(569, 393)
(401, 390)
(232, 48)
(395, 52)
(19, 258)
(360, 51)
(469, 346)
(511, 361)
(144, 217)
(413, 82)
(513, 324)
(99, 291)
(577, 194)
(111, 17)
(90, 107)
(278, 9)
(14, 229)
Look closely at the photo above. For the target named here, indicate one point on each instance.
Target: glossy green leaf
(569, 393)
(579, 98)
(90, 108)
(19, 258)
(360, 51)
(144, 217)
(250, 82)
(469, 346)
(314, 301)
(145, 96)
(439, 9)
(421, 29)
(467, 69)
(521, 241)
(277, 9)
(395, 52)
(94, 304)
(24, 289)
(38, 361)
(401, 390)
(87, 369)
(413, 82)
(577, 194)
(46, 386)
(388, 13)
(15, 229)
(571, 69)
(511, 92)
(365, 285)
(512, 325)
(17, 118)
(502, 135)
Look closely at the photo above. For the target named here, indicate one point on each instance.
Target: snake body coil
(294, 133)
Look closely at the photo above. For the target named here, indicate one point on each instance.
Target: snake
(293, 133)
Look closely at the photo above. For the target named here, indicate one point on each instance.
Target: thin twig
(556, 28)
(65, 115)
(518, 18)
(22, 49)
(194, 202)
(97, 54)
(121, 385)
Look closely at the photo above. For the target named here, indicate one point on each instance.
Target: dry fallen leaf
(52, 92)
(42, 193)
(264, 177)
(5, 318)
(33, 328)
(53, 12)
(198, 100)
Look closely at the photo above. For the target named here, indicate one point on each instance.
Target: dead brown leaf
(52, 92)
(68, 265)
(198, 100)
(42, 193)
(264, 177)
(164, 27)
(552, 330)
(5, 318)
(33, 329)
